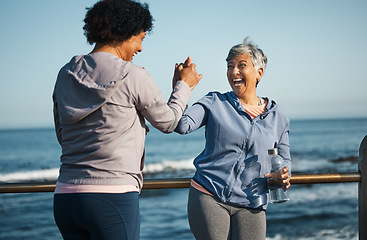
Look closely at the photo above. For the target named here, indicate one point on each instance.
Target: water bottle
(277, 189)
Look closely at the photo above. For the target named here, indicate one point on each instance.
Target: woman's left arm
(284, 152)
(57, 123)
(284, 147)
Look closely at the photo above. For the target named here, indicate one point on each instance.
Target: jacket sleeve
(57, 123)
(151, 104)
(195, 116)
(284, 147)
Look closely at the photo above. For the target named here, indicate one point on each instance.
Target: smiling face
(132, 46)
(242, 75)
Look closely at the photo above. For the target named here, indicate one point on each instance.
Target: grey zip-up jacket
(100, 106)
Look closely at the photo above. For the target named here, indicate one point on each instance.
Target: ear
(260, 73)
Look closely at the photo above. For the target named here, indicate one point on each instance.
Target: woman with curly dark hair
(101, 101)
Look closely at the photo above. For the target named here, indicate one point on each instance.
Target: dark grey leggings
(210, 219)
(89, 216)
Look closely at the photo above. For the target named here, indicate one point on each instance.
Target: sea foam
(166, 166)
(34, 175)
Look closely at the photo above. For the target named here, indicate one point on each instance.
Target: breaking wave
(166, 168)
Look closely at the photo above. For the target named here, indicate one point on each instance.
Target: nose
(235, 71)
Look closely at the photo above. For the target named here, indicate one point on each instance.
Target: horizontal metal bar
(315, 178)
(166, 183)
(325, 178)
(27, 187)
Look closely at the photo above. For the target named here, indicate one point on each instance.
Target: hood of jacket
(233, 99)
(86, 83)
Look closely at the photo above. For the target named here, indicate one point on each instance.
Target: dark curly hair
(111, 21)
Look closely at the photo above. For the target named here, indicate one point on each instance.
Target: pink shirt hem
(82, 188)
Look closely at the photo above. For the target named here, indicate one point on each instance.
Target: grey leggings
(210, 219)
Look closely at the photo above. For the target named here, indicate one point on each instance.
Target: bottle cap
(273, 151)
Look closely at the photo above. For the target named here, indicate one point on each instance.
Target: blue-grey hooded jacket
(235, 158)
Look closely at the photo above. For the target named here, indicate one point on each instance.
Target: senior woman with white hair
(229, 192)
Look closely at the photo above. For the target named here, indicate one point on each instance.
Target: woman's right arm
(192, 119)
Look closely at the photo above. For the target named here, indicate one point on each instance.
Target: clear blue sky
(316, 50)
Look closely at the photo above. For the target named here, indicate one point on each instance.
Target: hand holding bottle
(278, 178)
(282, 174)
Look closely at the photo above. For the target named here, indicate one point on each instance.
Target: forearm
(192, 119)
(57, 125)
(178, 101)
(284, 148)
(165, 116)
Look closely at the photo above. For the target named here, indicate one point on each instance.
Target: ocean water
(320, 211)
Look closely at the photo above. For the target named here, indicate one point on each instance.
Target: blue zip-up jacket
(235, 159)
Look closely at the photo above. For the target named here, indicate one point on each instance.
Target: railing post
(362, 190)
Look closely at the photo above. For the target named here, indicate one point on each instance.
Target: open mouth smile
(238, 82)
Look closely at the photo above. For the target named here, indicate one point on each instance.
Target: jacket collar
(235, 102)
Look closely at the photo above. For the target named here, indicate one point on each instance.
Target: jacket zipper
(239, 164)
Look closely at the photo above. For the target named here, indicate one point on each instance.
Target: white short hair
(259, 59)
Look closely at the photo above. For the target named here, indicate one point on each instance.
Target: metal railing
(317, 178)
(167, 183)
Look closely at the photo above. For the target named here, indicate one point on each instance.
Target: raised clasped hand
(186, 72)
(282, 174)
